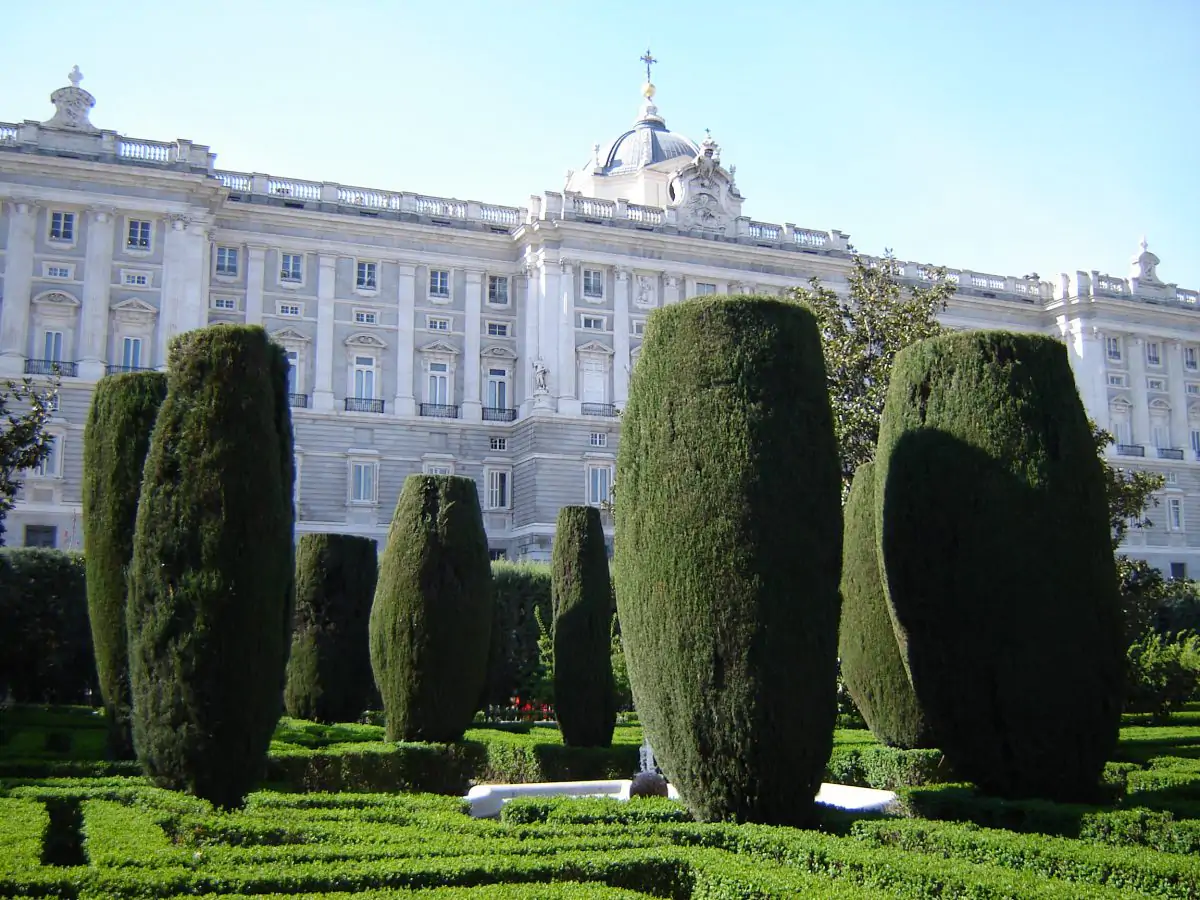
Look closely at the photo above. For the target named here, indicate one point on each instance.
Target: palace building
(495, 342)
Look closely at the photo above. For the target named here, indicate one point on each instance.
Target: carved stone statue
(541, 376)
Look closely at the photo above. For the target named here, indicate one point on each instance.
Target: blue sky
(1004, 137)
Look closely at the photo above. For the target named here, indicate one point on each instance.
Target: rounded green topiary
(212, 571)
(432, 616)
(115, 441)
(994, 547)
(329, 668)
(729, 541)
(582, 596)
(872, 669)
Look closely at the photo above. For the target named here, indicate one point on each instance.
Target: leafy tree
(25, 408)
(861, 333)
(1130, 491)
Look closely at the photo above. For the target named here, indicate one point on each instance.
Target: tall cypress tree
(329, 669)
(729, 542)
(582, 600)
(211, 578)
(115, 441)
(432, 616)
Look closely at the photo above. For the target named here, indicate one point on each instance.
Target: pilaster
(671, 285)
(1178, 394)
(527, 345)
(405, 404)
(256, 271)
(472, 408)
(1137, 390)
(323, 390)
(565, 382)
(621, 360)
(548, 316)
(97, 275)
(18, 284)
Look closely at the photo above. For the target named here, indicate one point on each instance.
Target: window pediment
(1160, 405)
(440, 347)
(56, 304)
(1120, 403)
(498, 352)
(594, 348)
(134, 312)
(364, 340)
(289, 336)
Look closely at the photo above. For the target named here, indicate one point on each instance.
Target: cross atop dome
(649, 61)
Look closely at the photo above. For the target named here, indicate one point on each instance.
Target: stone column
(256, 275)
(548, 316)
(527, 346)
(193, 304)
(472, 408)
(18, 285)
(1086, 354)
(171, 278)
(621, 360)
(564, 381)
(405, 404)
(97, 276)
(1137, 390)
(1179, 416)
(323, 391)
(671, 284)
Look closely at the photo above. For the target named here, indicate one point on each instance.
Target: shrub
(1163, 674)
(329, 668)
(45, 645)
(872, 669)
(582, 595)
(729, 546)
(995, 553)
(115, 442)
(521, 591)
(210, 583)
(431, 620)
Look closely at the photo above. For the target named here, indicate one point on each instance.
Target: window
(289, 309)
(594, 323)
(291, 268)
(364, 377)
(1172, 477)
(704, 288)
(1178, 571)
(496, 555)
(139, 235)
(1123, 432)
(1175, 513)
(498, 443)
(1156, 384)
(497, 489)
(53, 346)
(1153, 353)
(439, 383)
(436, 323)
(362, 482)
(293, 377)
(131, 353)
(1190, 359)
(1116, 379)
(51, 464)
(498, 290)
(1196, 443)
(598, 439)
(497, 388)
(366, 276)
(1193, 388)
(366, 317)
(599, 485)
(41, 536)
(1112, 347)
(62, 226)
(56, 271)
(135, 279)
(497, 329)
(227, 261)
(439, 283)
(435, 469)
(227, 303)
(639, 327)
(1160, 435)
(593, 283)
(594, 380)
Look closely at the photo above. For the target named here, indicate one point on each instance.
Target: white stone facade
(440, 335)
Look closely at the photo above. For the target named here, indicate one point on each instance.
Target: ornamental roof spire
(72, 105)
(649, 111)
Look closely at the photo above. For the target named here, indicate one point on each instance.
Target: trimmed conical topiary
(329, 668)
(210, 582)
(872, 669)
(582, 599)
(432, 616)
(115, 441)
(729, 543)
(995, 552)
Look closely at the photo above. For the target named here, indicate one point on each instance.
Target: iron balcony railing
(300, 401)
(498, 414)
(439, 410)
(1130, 450)
(1170, 453)
(599, 409)
(50, 367)
(363, 404)
(117, 370)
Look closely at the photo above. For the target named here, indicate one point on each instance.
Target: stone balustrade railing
(8, 132)
(1094, 284)
(106, 146)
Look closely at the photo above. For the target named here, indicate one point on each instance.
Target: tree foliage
(1130, 491)
(862, 330)
(25, 408)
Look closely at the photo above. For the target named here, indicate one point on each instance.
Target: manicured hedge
(115, 442)
(728, 554)
(1012, 638)
(521, 591)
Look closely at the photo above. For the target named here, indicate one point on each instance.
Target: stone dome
(647, 143)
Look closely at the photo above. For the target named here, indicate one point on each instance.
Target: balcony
(608, 410)
(363, 404)
(300, 401)
(1130, 450)
(50, 367)
(439, 410)
(1169, 453)
(498, 414)
(120, 370)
